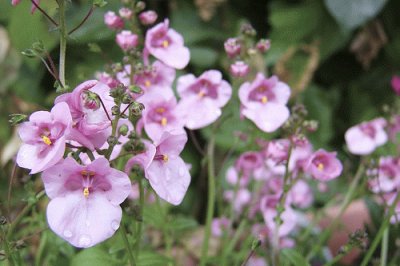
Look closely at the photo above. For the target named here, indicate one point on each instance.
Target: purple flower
(387, 176)
(364, 138)
(239, 69)
(91, 126)
(395, 82)
(202, 98)
(160, 115)
(239, 199)
(43, 138)
(127, 40)
(148, 17)
(219, 226)
(323, 166)
(84, 208)
(232, 47)
(301, 195)
(113, 21)
(167, 45)
(125, 13)
(264, 102)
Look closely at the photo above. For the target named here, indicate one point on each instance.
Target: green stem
(140, 223)
(346, 202)
(234, 240)
(211, 199)
(384, 250)
(63, 41)
(127, 245)
(381, 231)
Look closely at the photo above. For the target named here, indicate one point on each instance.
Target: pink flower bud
(125, 13)
(263, 45)
(127, 40)
(113, 21)
(239, 69)
(396, 84)
(148, 17)
(15, 2)
(232, 47)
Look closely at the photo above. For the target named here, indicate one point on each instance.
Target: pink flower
(107, 79)
(239, 200)
(43, 138)
(127, 40)
(323, 166)
(301, 195)
(125, 13)
(161, 115)
(239, 69)
(387, 176)
(84, 208)
(396, 84)
(168, 174)
(364, 138)
(219, 226)
(263, 45)
(167, 45)
(148, 17)
(113, 21)
(91, 125)
(202, 98)
(232, 47)
(264, 102)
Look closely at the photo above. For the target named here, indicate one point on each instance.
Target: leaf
(294, 257)
(153, 216)
(148, 258)
(351, 14)
(203, 56)
(181, 223)
(95, 256)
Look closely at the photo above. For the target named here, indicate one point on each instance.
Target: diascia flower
(84, 207)
(323, 166)
(43, 138)
(167, 45)
(264, 102)
(364, 138)
(202, 98)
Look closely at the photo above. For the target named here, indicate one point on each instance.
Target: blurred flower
(239, 200)
(84, 207)
(113, 21)
(127, 40)
(148, 17)
(44, 137)
(219, 225)
(167, 45)
(263, 45)
(396, 84)
(387, 176)
(232, 47)
(202, 98)
(364, 138)
(264, 102)
(125, 13)
(323, 166)
(239, 69)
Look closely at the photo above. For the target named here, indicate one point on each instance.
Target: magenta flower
(263, 45)
(43, 138)
(113, 21)
(148, 17)
(264, 102)
(301, 195)
(387, 176)
(239, 200)
(395, 82)
(167, 45)
(239, 69)
(160, 115)
(232, 47)
(323, 166)
(202, 98)
(168, 174)
(91, 125)
(84, 208)
(364, 138)
(33, 8)
(125, 13)
(127, 40)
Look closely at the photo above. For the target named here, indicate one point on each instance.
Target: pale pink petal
(268, 117)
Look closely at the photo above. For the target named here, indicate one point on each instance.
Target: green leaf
(148, 258)
(353, 13)
(95, 256)
(203, 57)
(99, 3)
(181, 223)
(294, 257)
(153, 216)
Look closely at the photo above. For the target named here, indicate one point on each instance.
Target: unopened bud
(16, 119)
(140, 6)
(123, 130)
(263, 45)
(135, 89)
(115, 110)
(126, 99)
(112, 141)
(248, 30)
(90, 100)
(137, 108)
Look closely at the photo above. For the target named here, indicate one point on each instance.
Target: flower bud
(117, 92)
(112, 141)
(90, 100)
(263, 45)
(123, 130)
(115, 110)
(137, 108)
(113, 21)
(125, 13)
(140, 6)
(396, 84)
(135, 89)
(148, 17)
(232, 47)
(239, 69)
(248, 30)
(127, 40)
(126, 99)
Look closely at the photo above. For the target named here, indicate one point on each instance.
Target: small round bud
(248, 30)
(113, 21)
(126, 98)
(123, 130)
(140, 6)
(112, 141)
(137, 108)
(90, 100)
(115, 110)
(232, 47)
(263, 45)
(125, 13)
(132, 135)
(135, 89)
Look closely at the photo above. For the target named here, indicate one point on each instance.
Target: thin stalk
(83, 20)
(63, 41)
(234, 240)
(127, 245)
(14, 171)
(211, 199)
(140, 223)
(384, 249)
(381, 231)
(347, 200)
(44, 13)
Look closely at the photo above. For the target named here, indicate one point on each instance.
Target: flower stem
(63, 41)
(139, 223)
(381, 231)
(211, 199)
(127, 245)
(384, 250)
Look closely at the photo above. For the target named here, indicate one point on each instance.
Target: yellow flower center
(86, 192)
(46, 140)
(165, 43)
(201, 94)
(165, 158)
(320, 166)
(264, 99)
(147, 83)
(164, 121)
